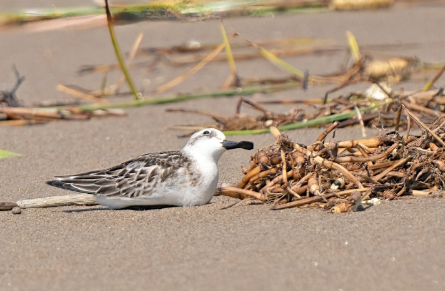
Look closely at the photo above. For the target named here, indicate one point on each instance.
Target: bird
(188, 177)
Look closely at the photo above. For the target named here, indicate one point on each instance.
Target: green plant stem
(230, 58)
(120, 58)
(309, 123)
(169, 10)
(6, 154)
(226, 93)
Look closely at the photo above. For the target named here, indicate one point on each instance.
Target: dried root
(288, 174)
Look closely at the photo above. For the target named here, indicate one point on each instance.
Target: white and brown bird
(179, 178)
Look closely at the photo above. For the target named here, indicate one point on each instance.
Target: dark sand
(397, 245)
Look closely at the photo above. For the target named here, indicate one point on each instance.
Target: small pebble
(16, 210)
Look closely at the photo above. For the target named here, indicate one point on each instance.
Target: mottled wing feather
(134, 178)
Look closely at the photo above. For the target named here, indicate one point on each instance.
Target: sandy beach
(393, 246)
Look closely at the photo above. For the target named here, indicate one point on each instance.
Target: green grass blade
(230, 58)
(431, 82)
(271, 57)
(6, 154)
(225, 93)
(353, 46)
(120, 58)
(309, 123)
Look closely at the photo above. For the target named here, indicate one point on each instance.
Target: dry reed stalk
(366, 159)
(382, 165)
(31, 113)
(239, 193)
(21, 122)
(75, 92)
(369, 142)
(423, 126)
(193, 70)
(248, 176)
(398, 164)
(332, 165)
(302, 202)
(422, 109)
(54, 201)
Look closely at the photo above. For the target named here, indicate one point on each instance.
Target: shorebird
(178, 178)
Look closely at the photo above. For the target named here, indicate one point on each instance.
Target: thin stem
(118, 52)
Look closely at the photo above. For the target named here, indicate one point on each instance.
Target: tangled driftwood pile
(339, 175)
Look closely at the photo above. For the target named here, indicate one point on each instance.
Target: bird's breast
(200, 181)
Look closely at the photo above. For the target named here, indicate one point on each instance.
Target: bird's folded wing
(134, 178)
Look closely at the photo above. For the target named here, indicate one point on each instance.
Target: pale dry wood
(275, 132)
(53, 201)
(370, 142)
(31, 112)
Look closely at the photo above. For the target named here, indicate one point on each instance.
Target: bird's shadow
(134, 208)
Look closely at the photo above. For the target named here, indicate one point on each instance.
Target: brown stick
(248, 176)
(253, 104)
(21, 122)
(75, 92)
(340, 168)
(327, 131)
(366, 159)
(276, 180)
(193, 70)
(422, 125)
(433, 147)
(364, 148)
(408, 128)
(297, 192)
(422, 109)
(396, 174)
(347, 192)
(302, 181)
(434, 79)
(360, 118)
(264, 174)
(7, 205)
(398, 164)
(238, 193)
(382, 165)
(439, 127)
(370, 142)
(313, 199)
(302, 202)
(283, 159)
(399, 114)
(28, 112)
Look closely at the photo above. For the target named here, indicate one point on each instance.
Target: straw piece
(53, 201)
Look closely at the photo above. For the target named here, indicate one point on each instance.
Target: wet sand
(393, 246)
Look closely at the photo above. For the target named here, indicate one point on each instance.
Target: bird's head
(212, 142)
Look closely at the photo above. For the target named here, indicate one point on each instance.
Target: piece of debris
(342, 176)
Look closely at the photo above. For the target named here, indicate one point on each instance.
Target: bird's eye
(206, 132)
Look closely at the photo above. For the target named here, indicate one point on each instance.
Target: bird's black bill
(230, 145)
